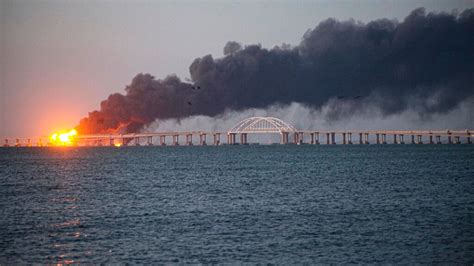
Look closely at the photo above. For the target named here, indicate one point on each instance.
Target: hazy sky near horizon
(59, 59)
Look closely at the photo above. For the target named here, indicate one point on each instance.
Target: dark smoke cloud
(425, 63)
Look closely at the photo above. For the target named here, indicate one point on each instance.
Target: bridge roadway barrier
(311, 137)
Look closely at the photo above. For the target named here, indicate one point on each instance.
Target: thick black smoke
(425, 62)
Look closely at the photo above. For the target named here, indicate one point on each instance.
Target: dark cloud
(425, 63)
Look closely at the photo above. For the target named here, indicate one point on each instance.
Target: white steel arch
(262, 125)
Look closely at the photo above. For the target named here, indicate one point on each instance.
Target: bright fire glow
(118, 144)
(63, 138)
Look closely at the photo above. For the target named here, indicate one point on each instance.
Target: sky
(60, 59)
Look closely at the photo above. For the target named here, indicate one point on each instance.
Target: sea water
(402, 204)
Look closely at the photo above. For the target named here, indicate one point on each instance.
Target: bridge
(261, 125)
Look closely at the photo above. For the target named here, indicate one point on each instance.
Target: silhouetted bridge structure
(261, 125)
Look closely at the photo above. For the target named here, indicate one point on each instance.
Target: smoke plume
(424, 64)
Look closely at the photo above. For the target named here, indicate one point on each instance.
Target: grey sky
(59, 59)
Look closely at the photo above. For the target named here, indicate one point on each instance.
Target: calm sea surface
(254, 204)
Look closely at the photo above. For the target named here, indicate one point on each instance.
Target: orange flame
(64, 138)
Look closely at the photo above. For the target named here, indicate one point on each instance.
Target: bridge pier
(296, 138)
(149, 141)
(6, 143)
(314, 138)
(412, 139)
(377, 136)
(175, 140)
(231, 139)
(284, 138)
(438, 139)
(360, 139)
(202, 139)
(419, 139)
(163, 140)
(137, 141)
(366, 138)
(349, 135)
(28, 142)
(311, 135)
(189, 139)
(333, 138)
(450, 141)
(217, 139)
(111, 142)
(395, 139)
(384, 138)
(457, 140)
(243, 139)
(401, 137)
(328, 140)
(468, 139)
(17, 143)
(344, 138)
(431, 140)
(40, 142)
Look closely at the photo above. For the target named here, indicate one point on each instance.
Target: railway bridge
(260, 125)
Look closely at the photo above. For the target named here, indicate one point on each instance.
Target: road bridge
(260, 125)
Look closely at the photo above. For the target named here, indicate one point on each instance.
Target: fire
(118, 144)
(63, 138)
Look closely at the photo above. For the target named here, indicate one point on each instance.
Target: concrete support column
(231, 139)
(202, 139)
(17, 143)
(312, 138)
(217, 139)
(412, 139)
(344, 141)
(189, 139)
(333, 138)
(163, 140)
(360, 139)
(300, 138)
(317, 137)
(6, 143)
(349, 135)
(175, 140)
(402, 141)
(457, 140)
(366, 138)
(384, 138)
(111, 142)
(243, 139)
(431, 139)
(284, 138)
(328, 141)
(450, 141)
(419, 139)
(377, 136)
(438, 139)
(28, 142)
(395, 139)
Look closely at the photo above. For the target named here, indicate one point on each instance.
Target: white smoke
(306, 118)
